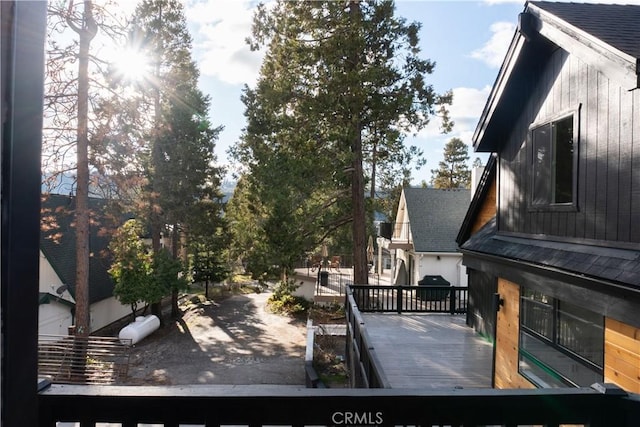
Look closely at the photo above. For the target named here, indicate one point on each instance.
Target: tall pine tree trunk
(86, 33)
(175, 245)
(360, 270)
(156, 221)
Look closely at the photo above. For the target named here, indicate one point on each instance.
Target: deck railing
(401, 232)
(411, 299)
(337, 282)
(361, 358)
(214, 406)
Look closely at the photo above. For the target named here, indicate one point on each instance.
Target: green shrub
(283, 301)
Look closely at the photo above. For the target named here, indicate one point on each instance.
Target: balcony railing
(401, 231)
(410, 299)
(214, 406)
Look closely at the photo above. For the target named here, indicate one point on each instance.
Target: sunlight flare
(132, 65)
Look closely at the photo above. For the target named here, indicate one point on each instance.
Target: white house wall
(54, 318)
(107, 311)
(463, 277)
(447, 266)
(49, 280)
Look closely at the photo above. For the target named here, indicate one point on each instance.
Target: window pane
(541, 137)
(532, 354)
(581, 331)
(563, 160)
(546, 366)
(537, 312)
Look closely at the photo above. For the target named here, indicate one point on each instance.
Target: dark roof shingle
(603, 263)
(618, 25)
(58, 244)
(435, 216)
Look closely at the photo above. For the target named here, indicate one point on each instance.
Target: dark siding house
(481, 310)
(562, 253)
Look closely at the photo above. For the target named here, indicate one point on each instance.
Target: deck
(419, 350)
(429, 351)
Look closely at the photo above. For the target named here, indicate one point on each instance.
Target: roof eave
(612, 62)
(480, 144)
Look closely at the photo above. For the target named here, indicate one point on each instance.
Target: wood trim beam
(23, 35)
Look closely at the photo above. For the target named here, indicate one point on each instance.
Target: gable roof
(603, 35)
(58, 240)
(435, 217)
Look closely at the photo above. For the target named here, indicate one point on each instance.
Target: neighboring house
(58, 268)
(562, 253)
(424, 235)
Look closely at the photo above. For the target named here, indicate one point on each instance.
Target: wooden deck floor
(429, 351)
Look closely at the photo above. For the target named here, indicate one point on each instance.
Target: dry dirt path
(235, 341)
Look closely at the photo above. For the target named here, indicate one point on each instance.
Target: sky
(466, 39)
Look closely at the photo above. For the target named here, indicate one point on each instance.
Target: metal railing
(337, 282)
(361, 358)
(214, 406)
(411, 299)
(401, 232)
(82, 360)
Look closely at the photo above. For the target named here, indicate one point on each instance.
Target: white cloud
(220, 28)
(494, 50)
(465, 111)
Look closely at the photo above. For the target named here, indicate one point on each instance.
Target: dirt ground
(235, 341)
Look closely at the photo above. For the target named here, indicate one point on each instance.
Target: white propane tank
(142, 327)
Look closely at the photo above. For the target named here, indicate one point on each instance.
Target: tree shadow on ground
(235, 341)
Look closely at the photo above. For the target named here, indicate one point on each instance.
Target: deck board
(429, 351)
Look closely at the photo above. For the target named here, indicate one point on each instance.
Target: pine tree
(339, 86)
(73, 124)
(181, 155)
(207, 235)
(453, 171)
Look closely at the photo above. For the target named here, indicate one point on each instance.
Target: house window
(561, 344)
(554, 163)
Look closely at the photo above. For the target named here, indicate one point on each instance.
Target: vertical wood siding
(488, 208)
(480, 311)
(507, 338)
(608, 167)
